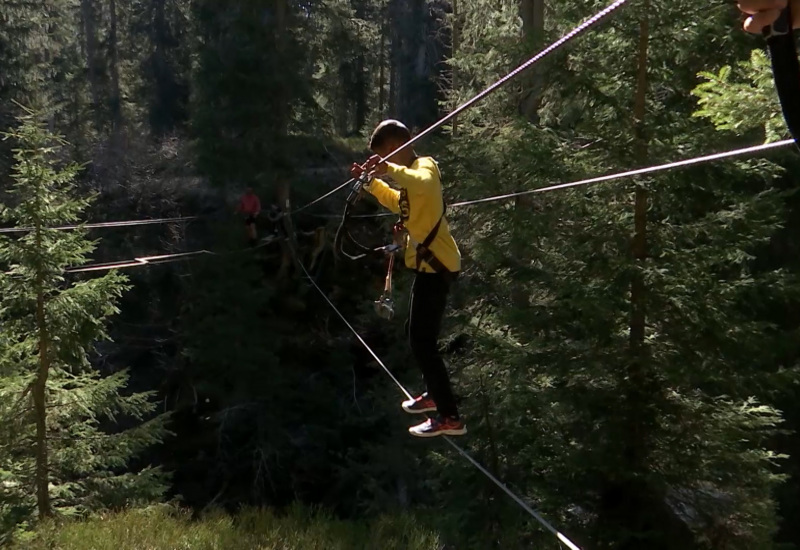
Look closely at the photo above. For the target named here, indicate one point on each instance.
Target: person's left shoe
(421, 404)
(442, 425)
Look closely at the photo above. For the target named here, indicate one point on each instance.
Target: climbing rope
(123, 223)
(600, 179)
(632, 173)
(138, 262)
(577, 31)
(561, 537)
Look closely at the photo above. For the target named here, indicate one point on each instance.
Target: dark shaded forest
(626, 354)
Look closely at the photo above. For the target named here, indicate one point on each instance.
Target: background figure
(274, 215)
(250, 206)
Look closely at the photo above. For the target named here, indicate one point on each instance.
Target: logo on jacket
(405, 205)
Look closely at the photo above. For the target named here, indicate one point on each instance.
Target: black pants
(428, 302)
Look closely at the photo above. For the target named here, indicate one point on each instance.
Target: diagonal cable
(574, 33)
(138, 262)
(100, 225)
(632, 173)
(561, 537)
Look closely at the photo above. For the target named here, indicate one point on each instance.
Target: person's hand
(356, 170)
(375, 165)
(763, 13)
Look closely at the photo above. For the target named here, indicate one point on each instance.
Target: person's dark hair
(387, 130)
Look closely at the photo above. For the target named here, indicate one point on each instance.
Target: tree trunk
(289, 245)
(342, 107)
(532, 14)
(382, 64)
(163, 109)
(637, 379)
(283, 186)
(361, 95)
(638, 309)
(38, 393)
(630, 501)
(90, 35)
(116, 94)
(455, 41)
(493, 493)
(280, 44)
(394, 58)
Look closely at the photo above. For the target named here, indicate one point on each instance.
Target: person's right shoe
(419, 405)
(442, 425)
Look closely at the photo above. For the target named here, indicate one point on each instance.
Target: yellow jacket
(419, 203)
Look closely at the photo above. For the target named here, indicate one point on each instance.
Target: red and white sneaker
(442, 425)
(419, 405)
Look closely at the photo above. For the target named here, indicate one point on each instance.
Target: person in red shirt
(250, 206)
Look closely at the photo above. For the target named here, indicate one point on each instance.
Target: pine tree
(668, 446)
(69, 433)
(33, 43)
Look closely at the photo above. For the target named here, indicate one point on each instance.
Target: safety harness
(384, 306)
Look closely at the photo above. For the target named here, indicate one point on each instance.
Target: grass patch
(164, 528)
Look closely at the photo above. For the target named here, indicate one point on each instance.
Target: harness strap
(424, 252)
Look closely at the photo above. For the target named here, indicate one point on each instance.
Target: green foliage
(680, 444)
(89, 445)
(246, 93)
(557, 398)
(165, 528)
(742, 106)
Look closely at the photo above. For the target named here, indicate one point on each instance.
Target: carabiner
(384, 306)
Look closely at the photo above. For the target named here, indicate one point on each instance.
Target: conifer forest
(624, 350)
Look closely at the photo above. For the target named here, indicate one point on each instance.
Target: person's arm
(415, 180)
(258, 206)
(388, 197)
(763, 13)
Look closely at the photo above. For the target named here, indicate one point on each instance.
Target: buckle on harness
(384, 306)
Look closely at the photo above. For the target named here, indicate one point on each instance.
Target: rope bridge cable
(122, 223)
(561, 537)
(323, 197)
(600, 179)
(138, 262)
(632, 173)
(161, 259)
(574, 33)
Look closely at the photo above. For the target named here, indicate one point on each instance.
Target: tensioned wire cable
(138, 262)
(632, 173)
(560, 536)
(600, 179)
(122, 223)
(610, 177)
(580, 29)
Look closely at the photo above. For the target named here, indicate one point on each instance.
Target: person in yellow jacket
(431, 252)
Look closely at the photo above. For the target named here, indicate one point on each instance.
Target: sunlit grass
(168, 529)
